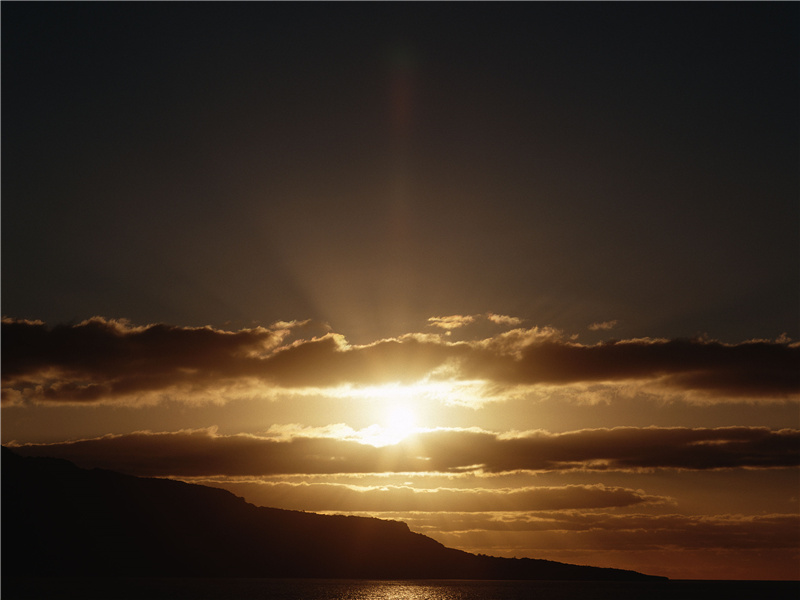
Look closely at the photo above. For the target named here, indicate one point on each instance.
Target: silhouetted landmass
(60, 520)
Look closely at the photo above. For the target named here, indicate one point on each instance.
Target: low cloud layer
(205, 453)
(619, 531)
(352, 498)
(105, 361)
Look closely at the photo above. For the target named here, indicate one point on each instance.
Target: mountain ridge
(61, 520)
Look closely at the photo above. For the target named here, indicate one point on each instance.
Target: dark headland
(59, 520)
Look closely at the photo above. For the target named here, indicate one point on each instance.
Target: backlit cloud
(205, 453)
(603, 326)
(504, 320)
(102, 360)
(319, 497)
(451, 322)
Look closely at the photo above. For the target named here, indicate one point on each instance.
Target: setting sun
(398, 413)
(400, 423)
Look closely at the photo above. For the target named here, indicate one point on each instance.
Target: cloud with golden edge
(603, 326)
(320, 497)
(338, 449)
(102, 360)
(504, 320)
(451, 322)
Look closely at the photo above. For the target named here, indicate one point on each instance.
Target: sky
(525, 276)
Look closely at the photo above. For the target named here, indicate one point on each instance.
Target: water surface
(336, 589)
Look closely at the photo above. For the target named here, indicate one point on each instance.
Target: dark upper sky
(372, 165)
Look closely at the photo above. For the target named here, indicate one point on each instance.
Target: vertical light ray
(402, 98)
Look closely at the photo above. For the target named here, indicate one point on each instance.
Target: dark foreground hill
(60, 520)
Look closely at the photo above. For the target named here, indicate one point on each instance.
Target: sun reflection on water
(402, 590)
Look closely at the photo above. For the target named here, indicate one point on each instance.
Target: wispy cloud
(603, 326)
(451, 322)
(504, 320)
(206, 453)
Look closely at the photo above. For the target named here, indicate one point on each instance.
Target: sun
(401, 421)
(397, 411)
(397, 414)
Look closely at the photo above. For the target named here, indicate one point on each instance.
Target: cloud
(203, 452)
(757, 368)
(319, 497)
(622, 448)
(611, 532)
(620, 530)
(504, 320)
(451, 322)
(603, 326)
(755, 546)
(102, 360)
(193, 453)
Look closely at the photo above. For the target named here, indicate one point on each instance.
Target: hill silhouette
(60, 520)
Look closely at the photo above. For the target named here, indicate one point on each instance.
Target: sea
(336, 589)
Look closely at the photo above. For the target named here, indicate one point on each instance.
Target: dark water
(326, 589)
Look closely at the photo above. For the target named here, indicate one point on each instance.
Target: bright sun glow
(399, 417)
(401, 421)
(401, 410)
(445, 392)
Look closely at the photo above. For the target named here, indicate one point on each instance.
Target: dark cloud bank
(101, 360)
(204, 453)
